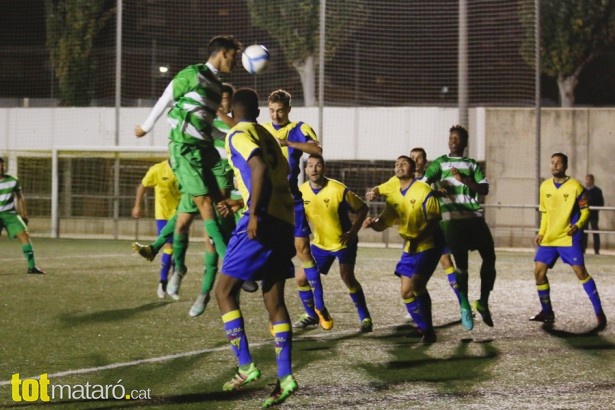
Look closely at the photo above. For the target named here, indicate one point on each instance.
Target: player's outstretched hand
(139, 132)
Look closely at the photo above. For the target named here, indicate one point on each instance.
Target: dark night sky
(25, 68)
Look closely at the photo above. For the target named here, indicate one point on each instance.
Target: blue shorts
(302, 228)
(421, 263)
(160, 224)
(324, 259)
(266, 258)
(571, 255)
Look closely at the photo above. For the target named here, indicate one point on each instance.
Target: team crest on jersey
(566, 197)
(326, 202)
(548, 195)
(306, 203)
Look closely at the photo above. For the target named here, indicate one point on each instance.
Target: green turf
(94, 318)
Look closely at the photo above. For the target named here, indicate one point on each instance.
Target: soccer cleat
(467, 321)
(144, 250)
(242, 378)
(304, 321)
(545, 317)
(601, 318)
(325, 319)
(366, 325)
(249, 286)
(36, 270)
(161, 291)
(483, 310)
(282, 390)
(429, 337)
(175, 283)
(199, 305)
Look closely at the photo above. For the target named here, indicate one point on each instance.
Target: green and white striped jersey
(197, 93)
(219, 132)
(8, 187)
(460, 202)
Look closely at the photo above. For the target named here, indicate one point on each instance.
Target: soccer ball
(255, 58)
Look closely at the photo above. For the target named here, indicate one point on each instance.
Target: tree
(295, 25)
(573, 33)
(72, 26)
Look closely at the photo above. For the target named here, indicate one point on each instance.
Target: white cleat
(161, 291)
(199, 305)
(175, 283)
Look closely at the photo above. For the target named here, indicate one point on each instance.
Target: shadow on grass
(103, 316)
(412, 361)
(589, 340)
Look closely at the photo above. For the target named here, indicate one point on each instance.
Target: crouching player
(416, 211)
(261, 247)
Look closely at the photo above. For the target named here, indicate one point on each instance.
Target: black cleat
(429, 337)
(545, 317)
(37, 271)
(601, 318)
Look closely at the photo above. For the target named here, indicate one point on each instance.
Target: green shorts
(224, 175)
(187, 205)
(13, 223)
(193, 167)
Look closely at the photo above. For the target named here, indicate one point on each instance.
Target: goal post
(93, 187)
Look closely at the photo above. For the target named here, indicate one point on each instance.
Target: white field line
(328, 335)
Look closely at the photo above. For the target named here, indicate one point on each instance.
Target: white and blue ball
(255, 58)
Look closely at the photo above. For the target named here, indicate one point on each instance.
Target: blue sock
(452, 281)
(313, 277)
(424, 300)
(233, 326)
(166, 262)
(414, 308)
(544, 294)
(590, 288)
(283, 348)
(307, 298)
(358, 298)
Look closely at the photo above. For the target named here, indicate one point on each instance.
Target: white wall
(366, 133)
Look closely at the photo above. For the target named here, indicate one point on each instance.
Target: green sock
(29, 254)
(166, 233)
(213, 230)
(180, 246)
(211, 269)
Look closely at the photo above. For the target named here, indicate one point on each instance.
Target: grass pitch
(95, 318)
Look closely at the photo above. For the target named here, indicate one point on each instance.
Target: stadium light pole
(537, 86)
(118, 104)
(321, 69)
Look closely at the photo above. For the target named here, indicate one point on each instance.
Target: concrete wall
(348, 133)
(585, 135)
